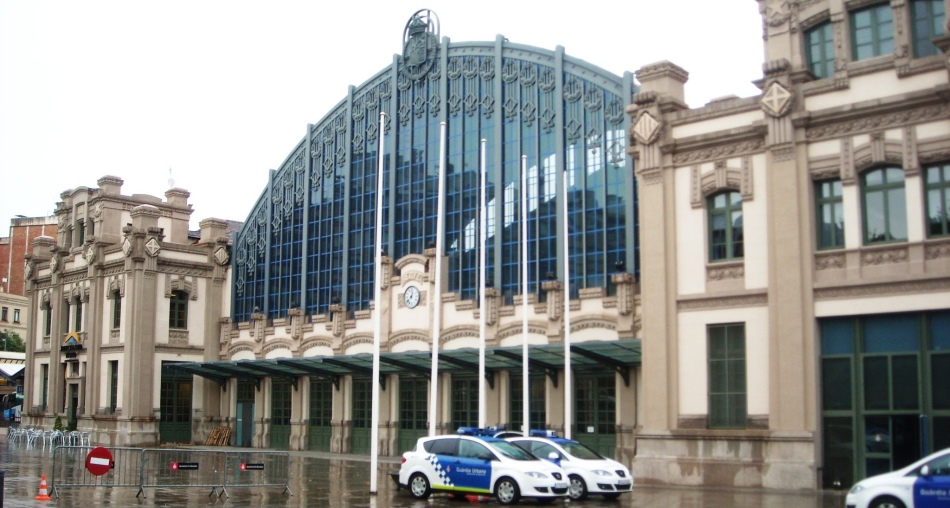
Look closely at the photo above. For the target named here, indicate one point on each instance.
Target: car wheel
(507, 492)
(612, 497)
(887, 502)
(419, 486)
(577, 489)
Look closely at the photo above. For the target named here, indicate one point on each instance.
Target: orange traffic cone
(44, 494)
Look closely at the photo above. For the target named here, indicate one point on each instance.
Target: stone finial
(665, 78)
(211, 229)
(110, 185)
(41, 247)
(177, 197)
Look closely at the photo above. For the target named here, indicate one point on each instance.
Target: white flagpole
(437, 298)
(482, 310)
(568, 409)
(525, 385)
(377, 322)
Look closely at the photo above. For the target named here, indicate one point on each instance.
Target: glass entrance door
(595, 411)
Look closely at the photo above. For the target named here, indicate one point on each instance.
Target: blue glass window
(820, 50)
(830, 214)
(885, 209)
(892, 333)
(725, 226)
(938, 199)
(872, 31)
(927, 17)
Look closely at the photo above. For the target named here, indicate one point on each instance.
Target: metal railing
(173, 468)
(183, 468)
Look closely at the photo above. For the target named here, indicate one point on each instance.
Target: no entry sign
(99, 461)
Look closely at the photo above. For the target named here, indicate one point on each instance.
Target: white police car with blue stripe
(923, 484)
(588, 472)
(472, 463)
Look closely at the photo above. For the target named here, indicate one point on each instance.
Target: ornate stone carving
(646, 128)
(725, 272)
(777, 100)
(830, 261)
(718, 152)
(869, 123)
(153, 247)
(937, 251)
(221, 255)
(882, 257)
(127, 246)
(626, 289)
(338, 317)
(555, 294)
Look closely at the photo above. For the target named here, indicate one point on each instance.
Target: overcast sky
(220, 92)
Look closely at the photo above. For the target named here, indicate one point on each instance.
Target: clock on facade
(411, 297)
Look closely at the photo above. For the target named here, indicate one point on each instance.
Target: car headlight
(857, 488)
(535, 474)
(601, 472)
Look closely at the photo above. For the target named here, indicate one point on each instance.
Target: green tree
(11, 341)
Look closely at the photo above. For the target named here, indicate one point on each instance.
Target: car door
(933, 488)
(473, 467)
(444, 457)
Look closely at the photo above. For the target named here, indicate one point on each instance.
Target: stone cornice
(755, 298)
(717, 145)
(868, 116)
(897, 287)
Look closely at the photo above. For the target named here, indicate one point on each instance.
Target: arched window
(725, 226)
(883, 205)
(178, 310)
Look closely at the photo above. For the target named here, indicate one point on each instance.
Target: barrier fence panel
(182, 467)
(257, 469)
(69, 468)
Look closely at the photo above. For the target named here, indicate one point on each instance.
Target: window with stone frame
(178, 310)
(820, 50)
(727, 376)
(116, 309)
(883, 205)
(872, 31)
(927, 19)
(937, 189)
(829, 214)
(725, 226)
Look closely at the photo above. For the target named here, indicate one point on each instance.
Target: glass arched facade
(309, 241)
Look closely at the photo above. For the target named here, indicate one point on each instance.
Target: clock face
(411, 297)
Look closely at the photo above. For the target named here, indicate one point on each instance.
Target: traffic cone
(44, 494)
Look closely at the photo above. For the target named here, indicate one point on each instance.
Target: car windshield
(511, 451)
(580, 451)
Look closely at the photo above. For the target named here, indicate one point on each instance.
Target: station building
(757, 290)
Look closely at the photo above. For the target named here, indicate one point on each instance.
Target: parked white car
(475, 464)
(588, 472)
(923, 484)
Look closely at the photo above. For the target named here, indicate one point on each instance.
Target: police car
(923, 484)
(588, 472)
(473, 463)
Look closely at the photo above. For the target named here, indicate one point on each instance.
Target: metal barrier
(69, 468)
(257, 469)
(182, 467)
(172, 468)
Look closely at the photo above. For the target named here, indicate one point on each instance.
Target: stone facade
(770, 150)
(100, 309)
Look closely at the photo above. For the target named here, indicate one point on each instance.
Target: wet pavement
(326, 480)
